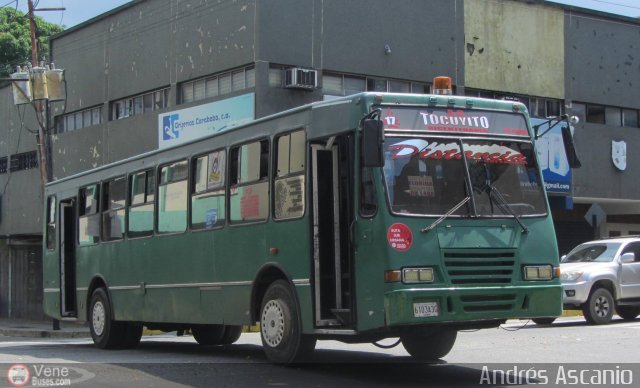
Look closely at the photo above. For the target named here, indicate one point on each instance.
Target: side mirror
(569, 148)
(372, 142)
(628, 257)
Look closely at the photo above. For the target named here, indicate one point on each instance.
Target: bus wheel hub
(272, 324)
(98, 317)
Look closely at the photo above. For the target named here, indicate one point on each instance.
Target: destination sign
(454, 121)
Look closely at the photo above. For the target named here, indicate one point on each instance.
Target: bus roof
(357, 102)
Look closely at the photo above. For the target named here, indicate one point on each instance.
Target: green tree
(15, 39)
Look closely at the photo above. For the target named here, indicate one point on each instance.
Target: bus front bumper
(439, 305)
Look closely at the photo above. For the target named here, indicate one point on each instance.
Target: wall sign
(619, 154)
(184, 125)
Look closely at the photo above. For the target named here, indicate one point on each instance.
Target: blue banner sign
(552, 157)
(184, 125)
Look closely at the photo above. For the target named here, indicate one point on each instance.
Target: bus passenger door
(67, 258)
(331, 252)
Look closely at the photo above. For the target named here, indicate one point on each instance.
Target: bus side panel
(370, 263)
(51, 283)
(293, 243)
(239, 251)
(173, 266)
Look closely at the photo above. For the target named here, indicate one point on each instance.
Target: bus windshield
(429, 176)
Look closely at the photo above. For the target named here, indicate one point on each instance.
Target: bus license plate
(428, 309)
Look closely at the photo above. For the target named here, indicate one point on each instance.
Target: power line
(616, 4)
(11, 2)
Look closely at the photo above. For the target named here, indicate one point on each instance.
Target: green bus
(357, 219)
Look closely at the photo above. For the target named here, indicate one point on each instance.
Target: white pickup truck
(603, 275)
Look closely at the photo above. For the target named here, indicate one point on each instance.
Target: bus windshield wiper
(447, 214)
(504, 205)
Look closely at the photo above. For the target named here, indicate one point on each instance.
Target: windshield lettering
(430, 176)
(493, 153)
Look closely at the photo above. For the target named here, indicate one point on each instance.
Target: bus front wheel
(281, 327)
(106, 333)
(429, 346)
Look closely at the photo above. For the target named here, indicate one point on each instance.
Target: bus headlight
(417, 275)
(538, 272)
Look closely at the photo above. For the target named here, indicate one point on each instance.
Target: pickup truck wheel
(598, 309)
(628, 313)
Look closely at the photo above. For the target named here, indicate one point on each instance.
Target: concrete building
(128, 67)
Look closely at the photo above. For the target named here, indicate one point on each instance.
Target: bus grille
(483, 303)
(479, 268)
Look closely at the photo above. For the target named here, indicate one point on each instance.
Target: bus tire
(598, 309)
(543, 321)
(231, 334)
(208, 334)
(430, 345)
(132, 335)
(105, 332)
(628, 313)
(281, 326)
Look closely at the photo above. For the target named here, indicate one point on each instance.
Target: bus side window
(113, 200)
(288, 197)
(88, 216)
(249, 186)
(51, 223)
(142, 188)
(207, 191)
(172, 197)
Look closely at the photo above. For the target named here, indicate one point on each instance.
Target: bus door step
(343, 315)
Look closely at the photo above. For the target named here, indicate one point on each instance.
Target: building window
(23, 161)
(537, 106)
(3, 165)
(137, 105)
(77, 120)
(630, 118)
(595, 114)
(218, 84)
(609, 115)
(334, 84)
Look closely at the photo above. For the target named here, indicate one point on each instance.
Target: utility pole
(42, 113)
(42, 138)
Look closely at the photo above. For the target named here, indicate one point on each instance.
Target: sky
(78, 11)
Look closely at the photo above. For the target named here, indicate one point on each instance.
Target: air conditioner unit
(297, 78)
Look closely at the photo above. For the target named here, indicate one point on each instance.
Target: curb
(34, 333)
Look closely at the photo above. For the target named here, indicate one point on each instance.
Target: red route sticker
(400, 237)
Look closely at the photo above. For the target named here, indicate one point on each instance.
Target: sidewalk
(42, 329)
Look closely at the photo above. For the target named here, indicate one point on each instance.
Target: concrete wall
(603, 60)
(20, 190)
(514, 47)
(603, 67)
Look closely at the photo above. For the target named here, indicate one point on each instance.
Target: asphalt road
(167, 360)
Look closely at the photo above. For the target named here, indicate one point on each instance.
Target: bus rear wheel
(281, 326)
(231, 334)
(430, 345)
(208, 334)
(105, 332)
